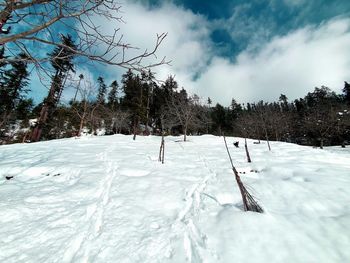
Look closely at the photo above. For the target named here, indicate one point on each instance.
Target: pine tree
(130, 87)
(209, 102)
(218, 116)
(148, 86)
(283, 102)
(102, 89)
(12, 87)
(236, 109)
(16, 79)
(135, 98)
(2, 64)
(24, 108)
(113, 95)
(170, 86)
(62, 62)
(346, 91)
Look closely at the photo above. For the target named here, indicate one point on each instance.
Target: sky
(246, 50)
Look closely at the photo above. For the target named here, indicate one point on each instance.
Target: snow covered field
(108, 199)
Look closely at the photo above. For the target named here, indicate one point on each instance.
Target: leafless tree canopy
(185, 112)
(35, 24)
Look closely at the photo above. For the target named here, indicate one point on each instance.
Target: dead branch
(38, 21)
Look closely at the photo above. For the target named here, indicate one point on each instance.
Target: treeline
(321, 118)
(139, 104)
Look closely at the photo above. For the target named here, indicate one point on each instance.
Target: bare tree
(322, 122)
(95, 115)
(81, 77)
(264, 121)
(37, 22)
(186, 111)
(83, 108)
(248, 125)
(120, 120)
(166, 120)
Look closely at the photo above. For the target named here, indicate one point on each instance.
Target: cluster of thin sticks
(249, 203)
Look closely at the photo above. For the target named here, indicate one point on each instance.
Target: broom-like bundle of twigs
(249, 202)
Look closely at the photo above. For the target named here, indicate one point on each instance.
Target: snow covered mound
(108, 199)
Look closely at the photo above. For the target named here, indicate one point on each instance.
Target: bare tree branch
(37, 22)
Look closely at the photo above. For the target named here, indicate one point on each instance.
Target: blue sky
(247, 21)
(247, 50)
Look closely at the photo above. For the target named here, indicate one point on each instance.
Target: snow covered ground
(108, 199)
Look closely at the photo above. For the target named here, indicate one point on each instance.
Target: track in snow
(194, 240)
(79, 249)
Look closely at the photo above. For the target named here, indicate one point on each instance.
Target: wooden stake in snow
(249, 203)
(246, 150)
(161, 150)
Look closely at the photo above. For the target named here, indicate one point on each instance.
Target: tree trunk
(267, 140)
(37, 131)
(81, 125)
(25, 136)
(185, 132)
(93, 120)
(162, 149)
(4, 119)
(163, 152)
(147, 111)
(136, 124)
(268, 144)
(246, 151)
(76, 92)
(49, 106)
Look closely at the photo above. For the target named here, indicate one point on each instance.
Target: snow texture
(108, 199)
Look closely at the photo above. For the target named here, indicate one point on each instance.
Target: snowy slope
(108, 199)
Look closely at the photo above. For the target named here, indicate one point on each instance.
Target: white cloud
(292, 64)
(186, 44)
